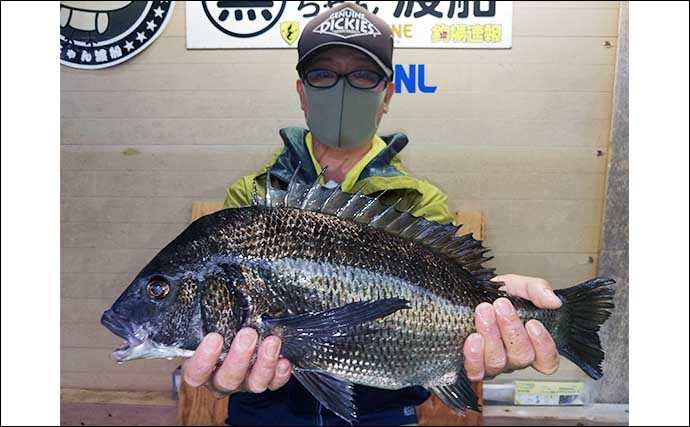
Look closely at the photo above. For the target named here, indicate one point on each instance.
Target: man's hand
(502, 343)
(235, 375)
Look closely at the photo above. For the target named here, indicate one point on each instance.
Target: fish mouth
(138, 344)
(135, 335)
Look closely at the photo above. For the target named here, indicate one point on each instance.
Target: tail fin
(585, 308)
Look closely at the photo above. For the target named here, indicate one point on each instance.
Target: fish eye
(158, 289)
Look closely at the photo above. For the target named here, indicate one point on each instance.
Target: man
(345, 86)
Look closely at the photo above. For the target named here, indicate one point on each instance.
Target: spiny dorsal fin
(291, 186)
(465, 249)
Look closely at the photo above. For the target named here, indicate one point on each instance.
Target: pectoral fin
(307, 332)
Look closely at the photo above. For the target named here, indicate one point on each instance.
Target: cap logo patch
(347, 23)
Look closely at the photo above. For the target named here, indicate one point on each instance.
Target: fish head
(159, 317)
(159, 314)
(186, 291)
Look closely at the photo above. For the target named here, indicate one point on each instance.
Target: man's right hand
(235, 374)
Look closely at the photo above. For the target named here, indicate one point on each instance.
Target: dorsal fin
(465, 250)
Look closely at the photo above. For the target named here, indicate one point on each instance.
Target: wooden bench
(197, 406)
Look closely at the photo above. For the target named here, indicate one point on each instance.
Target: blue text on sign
(412, 78)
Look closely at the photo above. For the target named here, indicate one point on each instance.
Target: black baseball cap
(350, 25)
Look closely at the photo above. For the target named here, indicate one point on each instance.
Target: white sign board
(415, 24)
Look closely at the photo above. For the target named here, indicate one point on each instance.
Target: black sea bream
(358, 291)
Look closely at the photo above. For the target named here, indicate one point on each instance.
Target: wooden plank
(472, 161)
(152, 398)
(543, 238)
(525, 105)
(478, 160)
(587, 415)
(551, 22)
(83, 310)
(149, 381)
(148, 209)
(80, 285)
(75, 414)
(245, 104)
(88, 335)
(94, 260)
(194, 184)
(526, 49)
(118, 235)
(146, 132)
(472, 222)
(163, 157)
(562, 269)
(433, 412)
(200, 132)
(198, 407)
(97, 361)
(248, 77)
(541, 186)
(200, 209)
(480, 77)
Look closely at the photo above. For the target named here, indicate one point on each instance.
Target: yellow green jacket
(380, 169)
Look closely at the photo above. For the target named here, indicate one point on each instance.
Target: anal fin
(307, 334)
(333, 393)
(460, 395)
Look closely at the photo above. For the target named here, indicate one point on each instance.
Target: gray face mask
(342, 116)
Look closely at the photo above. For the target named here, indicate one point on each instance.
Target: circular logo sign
(243, 18)
(100, 34)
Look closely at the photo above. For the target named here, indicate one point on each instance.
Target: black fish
(358, 291)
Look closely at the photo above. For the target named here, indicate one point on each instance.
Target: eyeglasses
(360, 79)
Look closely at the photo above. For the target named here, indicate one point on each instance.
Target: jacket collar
(296, 153)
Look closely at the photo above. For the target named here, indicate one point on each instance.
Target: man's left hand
(502, 343)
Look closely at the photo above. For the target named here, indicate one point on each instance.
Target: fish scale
(404, 326)
(358, 291)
